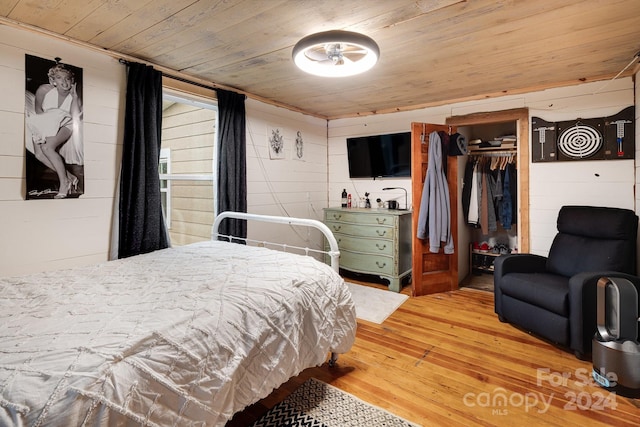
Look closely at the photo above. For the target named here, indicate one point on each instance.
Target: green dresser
(373, 241)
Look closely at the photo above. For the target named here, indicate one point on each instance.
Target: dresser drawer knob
(337, 227)
(384, 246)
(381, 233)
(381, 264)
(381, 220)
(337, 216)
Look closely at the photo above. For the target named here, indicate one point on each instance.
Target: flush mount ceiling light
(336, 53)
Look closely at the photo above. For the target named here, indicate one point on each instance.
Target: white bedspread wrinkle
(179, 337)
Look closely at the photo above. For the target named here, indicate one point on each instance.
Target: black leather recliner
(554, 297)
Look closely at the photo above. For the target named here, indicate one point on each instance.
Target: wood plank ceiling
(432, 51)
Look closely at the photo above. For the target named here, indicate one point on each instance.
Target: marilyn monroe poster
(53, 129)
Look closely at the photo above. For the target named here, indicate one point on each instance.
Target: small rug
(319, 404)
(373, 304)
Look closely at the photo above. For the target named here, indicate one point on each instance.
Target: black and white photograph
(53, 129)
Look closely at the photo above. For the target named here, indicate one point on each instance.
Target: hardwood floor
(445, 359)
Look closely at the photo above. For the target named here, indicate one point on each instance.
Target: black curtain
(232, 161)
(141, 227)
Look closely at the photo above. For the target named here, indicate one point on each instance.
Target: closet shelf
(497, 149)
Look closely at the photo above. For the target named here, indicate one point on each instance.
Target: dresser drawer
(372, 246)
(378, 232)
(359, 218)
(373, 264)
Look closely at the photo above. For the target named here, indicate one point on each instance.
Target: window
(164, 169)
(187, 170)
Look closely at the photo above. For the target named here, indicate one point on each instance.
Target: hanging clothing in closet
(434, 220)
(489, 192)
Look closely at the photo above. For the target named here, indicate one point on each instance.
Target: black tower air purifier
(616, 350)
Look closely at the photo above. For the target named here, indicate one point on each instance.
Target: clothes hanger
(505, 162)
(495, 163)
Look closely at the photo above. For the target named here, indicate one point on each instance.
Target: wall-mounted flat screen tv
(380, 156)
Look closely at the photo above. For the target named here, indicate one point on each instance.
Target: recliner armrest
(519, 263)
(513, 263)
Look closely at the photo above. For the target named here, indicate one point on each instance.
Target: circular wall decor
(580, 141)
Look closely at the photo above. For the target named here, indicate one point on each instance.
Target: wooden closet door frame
(433, 273)
(521, 116)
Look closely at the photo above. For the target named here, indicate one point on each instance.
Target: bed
(185, 336)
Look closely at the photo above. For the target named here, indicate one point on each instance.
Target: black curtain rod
(181, 79)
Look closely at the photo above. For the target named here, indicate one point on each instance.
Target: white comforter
(179, 337)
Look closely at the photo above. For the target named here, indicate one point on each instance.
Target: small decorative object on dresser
(373, 241)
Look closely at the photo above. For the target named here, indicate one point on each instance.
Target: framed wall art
(275, 139)
(53, 129)
(298, 154)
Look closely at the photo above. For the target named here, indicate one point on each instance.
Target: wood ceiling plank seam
(243, 59)
(481, 28)
(529, 56)
(6, 7)
(60, 18)
(427, 6)
(250, 65)
(379, 16)
(104, 16)
(138, 21)
(223, 54)
(161, 34)
(577, 36)
(469, 16)
(169, 36)
(225, 38)
(537, 61)
(423, 7)
(37, 12)
(430, 28)
(478, 26)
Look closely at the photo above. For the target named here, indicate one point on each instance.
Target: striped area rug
(318, 404)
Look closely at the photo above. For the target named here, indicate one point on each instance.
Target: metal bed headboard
(334, 251)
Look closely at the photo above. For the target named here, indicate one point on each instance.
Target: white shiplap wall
(40, 235)
(601, 183)
(287, 186)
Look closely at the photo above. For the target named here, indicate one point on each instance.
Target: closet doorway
(441, 272)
